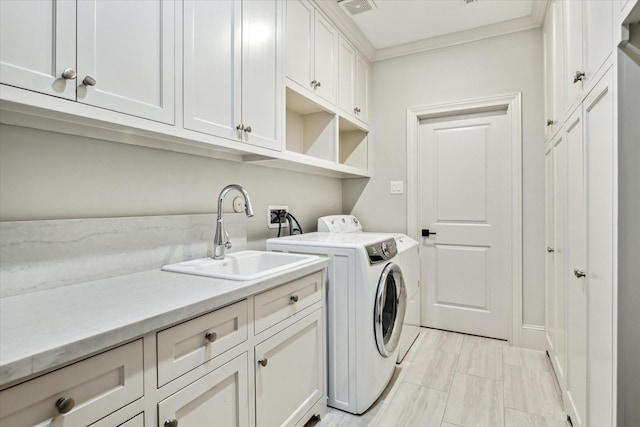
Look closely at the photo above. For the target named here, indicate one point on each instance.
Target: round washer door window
(390, 305)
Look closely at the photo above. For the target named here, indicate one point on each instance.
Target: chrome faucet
(221, 243)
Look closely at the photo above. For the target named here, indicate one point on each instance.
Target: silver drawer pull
(294, 298)
(263, 362)
(550, 250)
(578, 273)
(211, 336)
(65, 404)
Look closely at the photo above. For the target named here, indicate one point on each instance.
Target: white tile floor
(451, 380)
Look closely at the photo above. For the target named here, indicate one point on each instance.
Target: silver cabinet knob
(294, 298)
(314, 83)
(211, 336)
(247, 129)
(355, 110)
(578, 273)
(318, 84)
(550, 250)
(171, 423)
(89, 81)
(69, 74)
(550, 122)
(240, 127)
(65, 404)
(579, 76)
(263, 362)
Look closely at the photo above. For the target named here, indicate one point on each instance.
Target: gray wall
(629, 233)
(46, 175)
(505, 64)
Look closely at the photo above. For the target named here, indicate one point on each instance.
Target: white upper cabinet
(353, 72)
(46, 30)
(311, 43)
(588, 29)
(130, 69)
(261, 73)
(232, 70)
(553, 68)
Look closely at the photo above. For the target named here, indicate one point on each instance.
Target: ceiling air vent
(354, 7)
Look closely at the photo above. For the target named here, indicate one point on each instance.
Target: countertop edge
(73, 350)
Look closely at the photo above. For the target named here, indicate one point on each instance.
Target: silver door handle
(578, 273)
(550, 250)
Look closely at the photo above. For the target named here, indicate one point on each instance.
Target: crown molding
(460, 37)
(351, 31)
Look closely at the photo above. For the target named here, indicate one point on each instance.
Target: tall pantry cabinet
(579, 172)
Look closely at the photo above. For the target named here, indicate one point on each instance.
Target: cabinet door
(362, 88)
(290, 373)
(346, 76)
(212, 67)
(600, 148)
(576, 391)
(126, 50)
(554, 64)
(573, 49)
(325, 48)
(559, 276)
(549, 321)
(598, 37)
(220, 398)
(299, 42)
(46, 30)
(261, 73)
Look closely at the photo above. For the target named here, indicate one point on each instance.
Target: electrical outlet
(276, 216)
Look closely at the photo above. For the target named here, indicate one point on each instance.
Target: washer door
(391, 303)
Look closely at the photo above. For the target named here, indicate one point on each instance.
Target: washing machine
(366, 302)
(409, 263)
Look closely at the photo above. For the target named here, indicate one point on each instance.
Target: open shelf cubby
(311, 130)
(352, 145)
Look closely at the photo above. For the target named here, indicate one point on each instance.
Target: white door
(576, 315)
(212, 67)
(126, 57)
(290, 373)
(325, 58)
(46, 31)
(220, 398)
(465, 197)
(299, 42)
(549, 311)
(599, 143)
(558, 357)
(261, 73)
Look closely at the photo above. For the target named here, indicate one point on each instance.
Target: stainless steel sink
(244, 265)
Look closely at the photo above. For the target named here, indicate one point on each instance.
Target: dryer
(366, 302)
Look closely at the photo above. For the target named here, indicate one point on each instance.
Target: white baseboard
(532, 336)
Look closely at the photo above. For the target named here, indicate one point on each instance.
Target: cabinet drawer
(99, 386)
(188, 345)
(277, 304)
(220, 398)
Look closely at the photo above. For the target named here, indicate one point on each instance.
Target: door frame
(513, 104)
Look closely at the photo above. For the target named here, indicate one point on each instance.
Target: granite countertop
(50, 328)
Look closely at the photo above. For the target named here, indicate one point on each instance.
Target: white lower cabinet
(219, 398)
(259, 361)
(290, 373)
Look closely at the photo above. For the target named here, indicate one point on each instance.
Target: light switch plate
(397, 187)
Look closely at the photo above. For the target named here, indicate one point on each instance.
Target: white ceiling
(396, 22)
(401, 27)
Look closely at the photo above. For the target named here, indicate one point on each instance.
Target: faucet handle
(227, 243)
